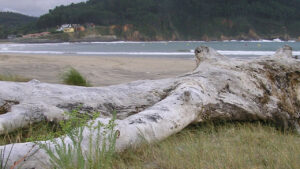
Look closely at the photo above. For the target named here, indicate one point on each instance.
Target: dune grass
(73, 77)
(13, 78)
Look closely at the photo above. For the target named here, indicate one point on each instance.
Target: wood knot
(186, 96)
(7, 105)
(200, 52)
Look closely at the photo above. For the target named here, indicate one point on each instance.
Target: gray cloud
(33, 7)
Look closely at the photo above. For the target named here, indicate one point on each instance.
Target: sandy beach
(99, 70)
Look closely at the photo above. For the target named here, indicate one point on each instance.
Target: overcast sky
(33, 7)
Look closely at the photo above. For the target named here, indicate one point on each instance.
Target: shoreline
(41, 41)
(99, 70)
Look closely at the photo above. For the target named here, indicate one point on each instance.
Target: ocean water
(178, 49)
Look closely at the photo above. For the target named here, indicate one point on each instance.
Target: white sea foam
(22, 45)
(33, 52)
(256, 53)
(125, 42)
(266, 41)
(277, 40)
(259, 41)
(296, 52)
(138, 42)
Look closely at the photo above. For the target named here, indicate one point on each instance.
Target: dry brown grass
(13, 78)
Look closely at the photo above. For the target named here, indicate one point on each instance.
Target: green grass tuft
(73, 77)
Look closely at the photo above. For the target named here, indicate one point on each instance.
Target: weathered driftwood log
(220, 88)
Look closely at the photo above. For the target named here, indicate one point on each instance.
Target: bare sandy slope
(98, 70)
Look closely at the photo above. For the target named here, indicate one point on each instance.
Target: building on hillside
(81, 29)
(70, 28)
(66, 28)
(62, 27)
(78, 28)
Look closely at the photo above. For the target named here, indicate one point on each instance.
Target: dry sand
(99, 70)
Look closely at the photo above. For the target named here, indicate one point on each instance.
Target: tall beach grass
(73, 77)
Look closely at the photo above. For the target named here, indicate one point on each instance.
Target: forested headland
(181, 19)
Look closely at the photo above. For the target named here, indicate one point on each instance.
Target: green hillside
(14, 23)
(184, 19)
(169, 19)
(13, 19)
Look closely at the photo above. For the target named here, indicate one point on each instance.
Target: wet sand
(99, 70)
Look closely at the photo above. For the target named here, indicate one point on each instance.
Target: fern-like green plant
(67, 156)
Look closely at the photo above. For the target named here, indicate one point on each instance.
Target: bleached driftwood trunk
(220, 88)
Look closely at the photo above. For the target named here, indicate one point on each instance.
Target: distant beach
(99, 70)
(108, 63)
